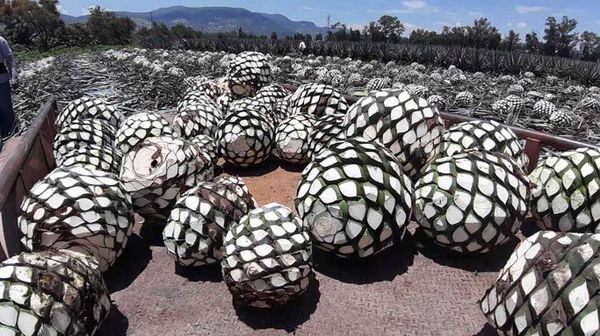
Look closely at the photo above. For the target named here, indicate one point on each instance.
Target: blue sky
(522, 16)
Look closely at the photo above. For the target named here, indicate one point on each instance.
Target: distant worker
(8, 78)
(302, 46)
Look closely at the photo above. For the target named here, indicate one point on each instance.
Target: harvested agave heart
(353, 197)
(549, 286)
(472, 202)
(52, 292)
(566, 193)
(291, 138)
(138, 127)
(248, 72)
(78, 209)
(318, 100)
(158, 170)
(405, 124)
(89, 108)
(194, 233)
(267, 257)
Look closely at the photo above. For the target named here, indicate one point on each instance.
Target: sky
(521, 16)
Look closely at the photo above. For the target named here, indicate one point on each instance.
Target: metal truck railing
(24, 161)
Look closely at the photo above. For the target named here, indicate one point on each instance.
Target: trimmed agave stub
(291, 138)
(318, 100)
(377, 83)
(194, 233)
(404, 123)
(81, 133)
(138, 127)
(245, 138)
(92, 157)
(248, 72)
(206, 145)
(78, 209)
(549, 286)
(196, 119)
(211, 88)
(353, 197)
(196, 98)
(158, 170)
(251, 104)
(472, 202)
(52, 292)
(271, 94)
(483, 135)
(566, 191)
(326, 129)
(89, 108)
(267, 257)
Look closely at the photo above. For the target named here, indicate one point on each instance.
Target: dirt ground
(411, 289)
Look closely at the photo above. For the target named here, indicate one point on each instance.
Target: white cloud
(409, 28)
(355, 26)
(414, 4)
(521, 25)
(530, 9)
(410, 6)
(472, 13)
(61, 9)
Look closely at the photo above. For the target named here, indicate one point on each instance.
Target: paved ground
(413, 289)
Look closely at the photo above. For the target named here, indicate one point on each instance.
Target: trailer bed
(411, 289)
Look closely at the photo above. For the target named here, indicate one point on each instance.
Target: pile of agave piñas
(372, 167)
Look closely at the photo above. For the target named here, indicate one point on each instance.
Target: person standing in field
(8, 78)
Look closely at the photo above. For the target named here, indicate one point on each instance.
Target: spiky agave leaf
(245, 138)
(318, 100)
(248, 72)
(158, 170)
(78, 209)
(194, 233)
(405, 124)
(138, 127)
(291, 138)
(52, 292)
(566, 192)
(267, 260)
(483, 135)
(549, 286)
(353, 197)
(473, 201)
(89, 108)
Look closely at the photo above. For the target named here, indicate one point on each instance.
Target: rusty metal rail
(24, 161)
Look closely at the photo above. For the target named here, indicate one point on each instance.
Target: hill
(218, 19)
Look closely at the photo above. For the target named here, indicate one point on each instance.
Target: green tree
(181, 31)
(273, 36)
(567, 37)
(106, 28)
(387, 28)
(532, 43)
(34, 23)
(589, 46)
(511, 41)
(551, 36)
(482, 34)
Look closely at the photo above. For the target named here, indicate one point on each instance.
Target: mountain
(218, 19)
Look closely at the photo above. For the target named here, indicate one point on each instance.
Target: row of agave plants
(470, 59)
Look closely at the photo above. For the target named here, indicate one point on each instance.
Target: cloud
(61, 9)
(414, 4)
(521, 25)
(410, 6)
(472, 13)
(409, 27)
(355, 26)
(530, 9)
